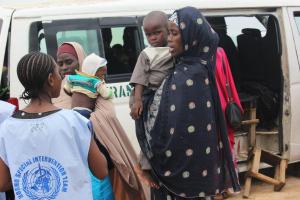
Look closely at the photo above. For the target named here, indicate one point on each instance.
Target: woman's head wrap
(67, 48)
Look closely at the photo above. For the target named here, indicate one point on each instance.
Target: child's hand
(136, 109)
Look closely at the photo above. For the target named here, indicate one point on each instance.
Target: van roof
(57, 7)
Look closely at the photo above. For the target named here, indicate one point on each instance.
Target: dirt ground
(262, 191)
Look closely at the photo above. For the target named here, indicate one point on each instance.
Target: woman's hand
(137, 109)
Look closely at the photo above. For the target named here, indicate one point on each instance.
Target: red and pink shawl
(221, 84)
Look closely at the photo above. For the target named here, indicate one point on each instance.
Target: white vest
(47, 156)
(6, 110)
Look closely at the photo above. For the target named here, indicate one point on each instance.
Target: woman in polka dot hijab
(185, 138)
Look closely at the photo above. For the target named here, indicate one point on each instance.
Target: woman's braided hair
(33, 70)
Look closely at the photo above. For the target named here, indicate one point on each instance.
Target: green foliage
(4, 93)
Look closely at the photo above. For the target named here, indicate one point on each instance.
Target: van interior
(252, 44)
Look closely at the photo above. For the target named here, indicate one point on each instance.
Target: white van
(261, 39)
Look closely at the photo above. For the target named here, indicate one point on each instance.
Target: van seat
(256, 74)
(219, 25)
(250, 54)
(271, 52)
(252, 31)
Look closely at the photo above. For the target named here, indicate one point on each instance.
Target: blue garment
(102, 189)
(84, 112)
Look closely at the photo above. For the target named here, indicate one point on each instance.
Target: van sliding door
(122, 40)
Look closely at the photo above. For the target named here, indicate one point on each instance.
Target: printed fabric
(188, 149)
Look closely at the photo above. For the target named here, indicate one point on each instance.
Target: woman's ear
(50, 80)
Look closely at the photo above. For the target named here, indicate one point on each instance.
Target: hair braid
(33, 70)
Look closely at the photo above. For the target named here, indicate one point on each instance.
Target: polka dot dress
(187, 150)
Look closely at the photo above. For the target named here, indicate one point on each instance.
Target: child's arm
(139, 79)
(137, 107)
(104, 91)
(5, 180)
(97, 161)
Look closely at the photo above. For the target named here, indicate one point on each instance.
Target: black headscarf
(189, 149)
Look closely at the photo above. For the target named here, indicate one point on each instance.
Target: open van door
(294, 17)
(5, 17)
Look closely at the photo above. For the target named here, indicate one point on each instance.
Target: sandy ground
(263, 191)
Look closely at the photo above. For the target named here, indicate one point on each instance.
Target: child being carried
(87, 85)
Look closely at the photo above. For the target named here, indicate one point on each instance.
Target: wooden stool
(257, 155)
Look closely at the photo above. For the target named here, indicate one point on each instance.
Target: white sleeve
(6, 110)
(3, 155)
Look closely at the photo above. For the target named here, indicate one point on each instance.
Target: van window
(1, 21)
(146, 43)
(42, 41)
(297, 33)
(297, 20)
(4, 91)
(235, 26)
(121, 49)
(86, 38)
(37, 40)
(118, 42)
(84, 31)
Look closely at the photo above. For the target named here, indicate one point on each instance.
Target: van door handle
(286, 98)
(287, 112)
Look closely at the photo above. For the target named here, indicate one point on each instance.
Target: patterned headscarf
(199, 39)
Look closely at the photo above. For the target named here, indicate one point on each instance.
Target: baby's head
(156, 28)
(94, 65)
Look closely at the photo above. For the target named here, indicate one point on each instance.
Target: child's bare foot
(145, 177)
(229, 193)
(218, 197)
